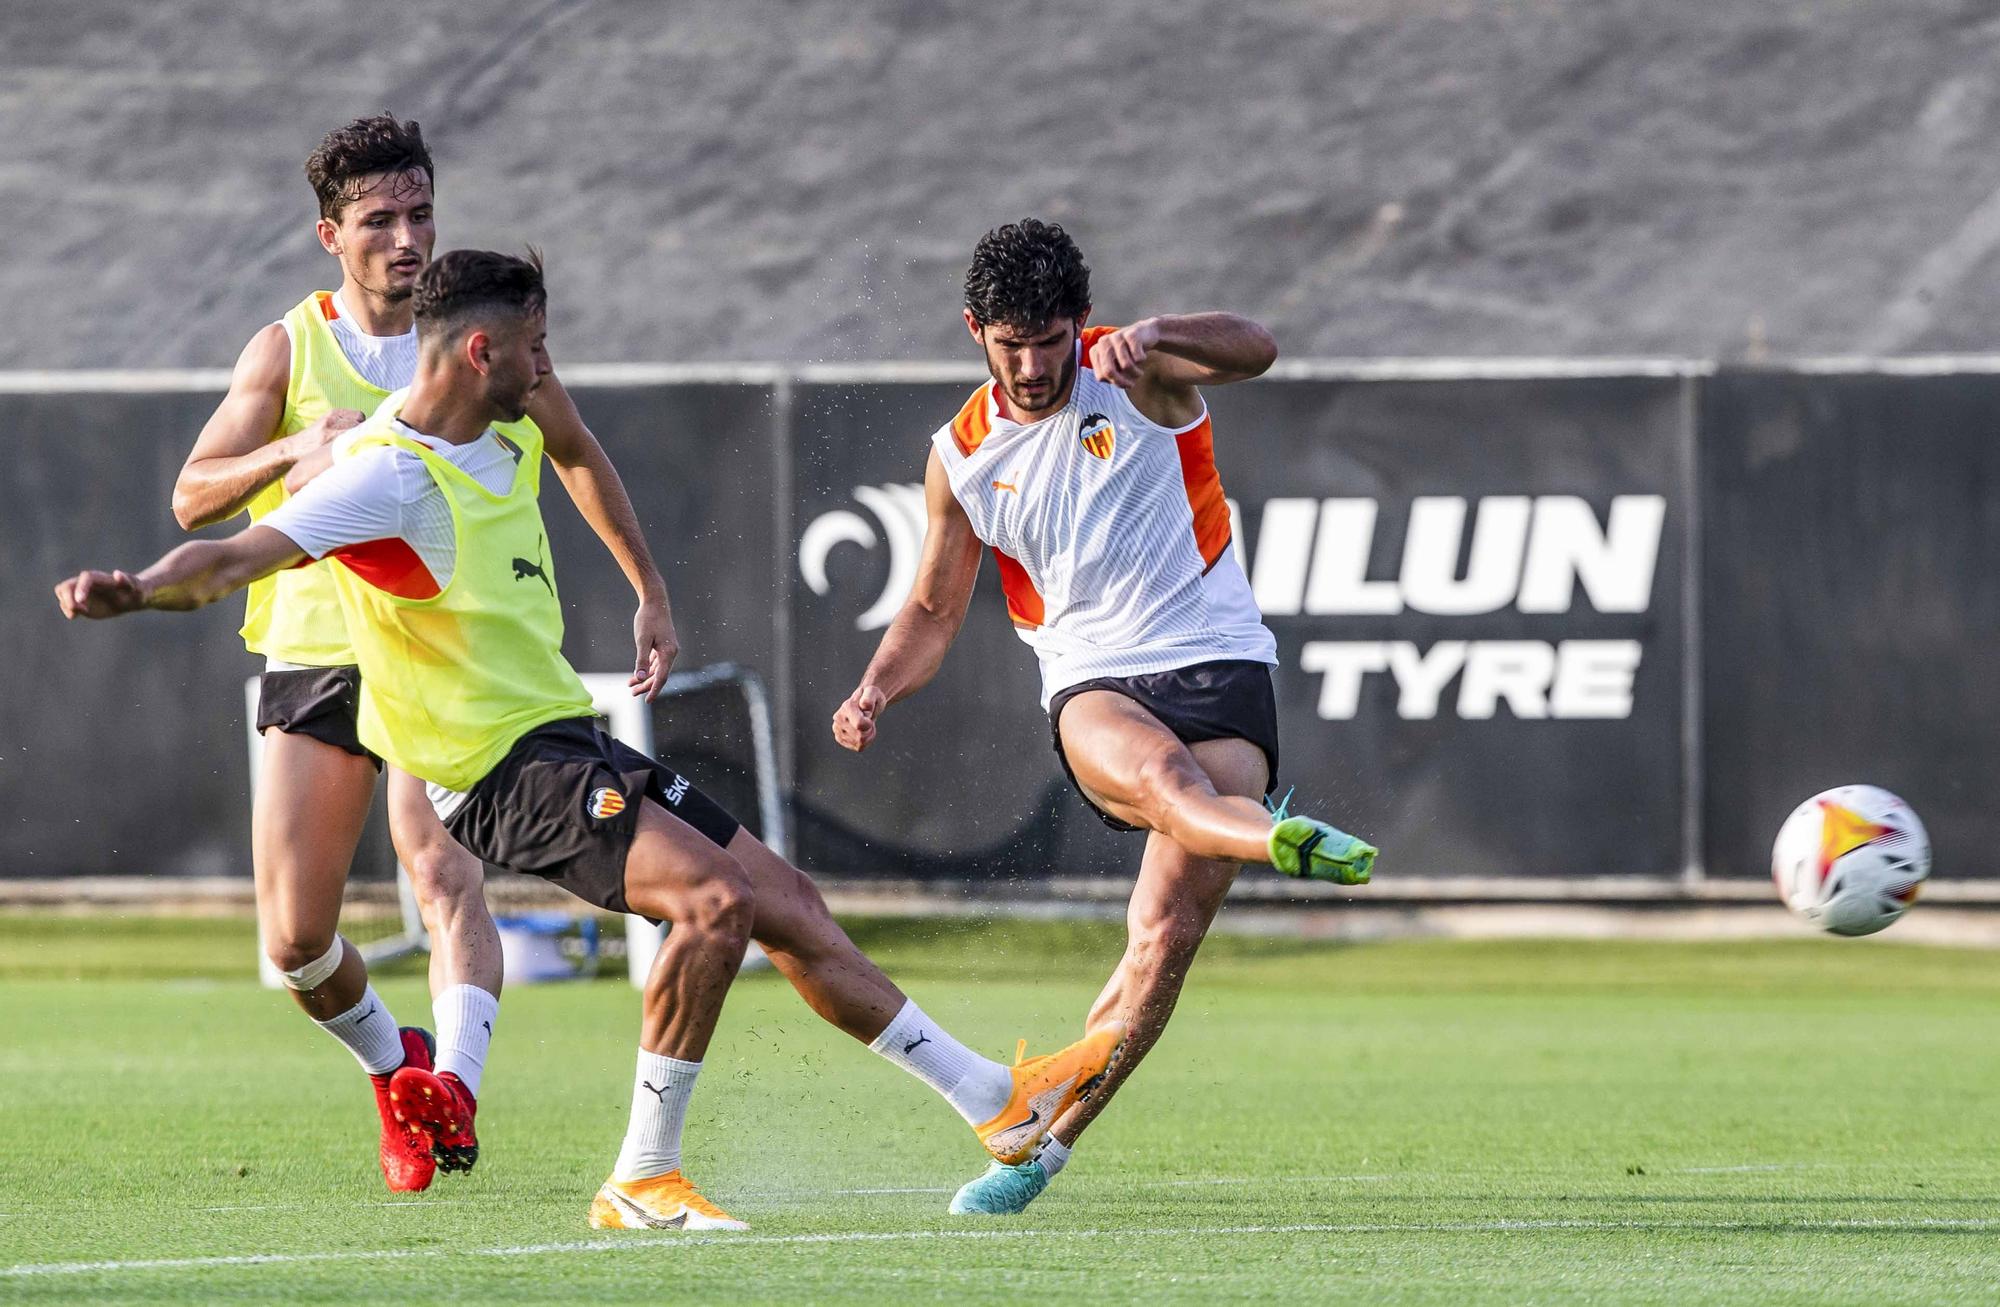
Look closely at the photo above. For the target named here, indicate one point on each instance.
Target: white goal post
(384, 937)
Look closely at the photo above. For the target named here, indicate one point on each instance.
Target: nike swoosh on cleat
(1034, 1112)
(1006, 1137)
(643, 1216)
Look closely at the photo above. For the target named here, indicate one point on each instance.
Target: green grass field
(1421, 1122)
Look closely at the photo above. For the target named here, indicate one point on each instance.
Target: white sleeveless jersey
(384, 362)
(1111, 532)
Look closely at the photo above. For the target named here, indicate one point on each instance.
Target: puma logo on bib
(527, 567)
(604, 802)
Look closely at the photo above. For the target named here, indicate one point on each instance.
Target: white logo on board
(900, 510)
(1530, 554)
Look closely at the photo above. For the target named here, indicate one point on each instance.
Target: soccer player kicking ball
(444, 578)
(299, 383)
(1087, 464)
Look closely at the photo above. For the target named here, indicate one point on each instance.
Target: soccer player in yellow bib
(458, 636)
(300, 382)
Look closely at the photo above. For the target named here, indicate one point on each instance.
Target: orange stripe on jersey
(391, 566)
(972, 425)
(1090, 336)
(1204, 491)
(326, 309)
(1024, 602)
(1204, 483)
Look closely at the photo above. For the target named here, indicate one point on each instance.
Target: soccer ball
(1851, 860)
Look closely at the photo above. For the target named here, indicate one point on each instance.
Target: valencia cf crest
(1098, 436)
(604, 802)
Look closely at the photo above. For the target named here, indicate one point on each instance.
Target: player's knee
(304, 961)
(723, 905)
(444, 873)
(1165, 778)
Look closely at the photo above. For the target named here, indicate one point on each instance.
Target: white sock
(1053, 1156)
(465, 1016)
(369, 1033)
(660, 1093)
(977, 1087)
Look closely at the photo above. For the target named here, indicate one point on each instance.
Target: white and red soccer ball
(1851, 860)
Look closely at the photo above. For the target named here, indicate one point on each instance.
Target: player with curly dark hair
(1087, 465)
(1027, 272)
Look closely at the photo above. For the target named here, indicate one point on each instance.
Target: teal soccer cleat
(1002, 1191)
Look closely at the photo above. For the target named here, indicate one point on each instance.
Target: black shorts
(1228, 700)
(318, 702)
(564, 805)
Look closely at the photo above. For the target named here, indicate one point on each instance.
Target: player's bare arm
(599, 494)
(1163, 361)
(914, 646)
(196, 574)
(235, 457)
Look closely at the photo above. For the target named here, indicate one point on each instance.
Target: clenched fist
(854, 724)
(1120, 357)
(99, 594)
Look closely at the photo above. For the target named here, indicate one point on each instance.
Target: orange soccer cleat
(1044, 1088)
(660, 1202)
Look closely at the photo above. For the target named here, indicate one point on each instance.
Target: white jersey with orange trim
(1111, 533)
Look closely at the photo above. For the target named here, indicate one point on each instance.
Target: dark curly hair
(468, 285)
(1027, 274)
(349, 155)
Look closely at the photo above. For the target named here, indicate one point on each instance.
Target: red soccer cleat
(407, 1165)
(439, 1109)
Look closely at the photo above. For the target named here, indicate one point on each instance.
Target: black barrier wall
(1851, 600)
(1460, 643)
(1500, 644)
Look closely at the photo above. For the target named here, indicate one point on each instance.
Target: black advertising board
(123, 747)
(961, 782)
(1476, 590)
(699, 463)
(1851, 587)
(1476, 587)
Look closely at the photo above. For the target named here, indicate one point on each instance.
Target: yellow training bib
(294, 616)
(450, 682)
